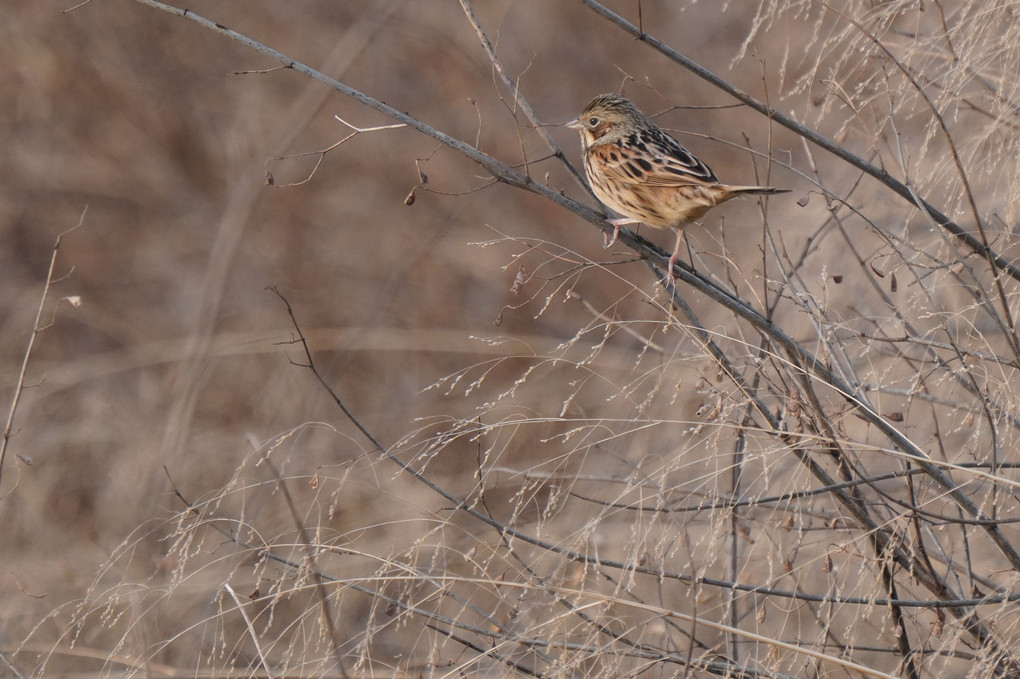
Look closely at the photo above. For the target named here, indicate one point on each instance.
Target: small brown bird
(644, 174)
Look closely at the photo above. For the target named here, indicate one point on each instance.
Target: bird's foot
(608, 242)
(670, 276)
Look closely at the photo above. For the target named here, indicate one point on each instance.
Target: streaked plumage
(642, 173)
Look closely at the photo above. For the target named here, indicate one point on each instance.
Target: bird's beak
(575, 124)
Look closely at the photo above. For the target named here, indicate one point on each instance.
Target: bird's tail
(756, 190)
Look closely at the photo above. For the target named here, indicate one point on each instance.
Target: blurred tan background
(177, 358)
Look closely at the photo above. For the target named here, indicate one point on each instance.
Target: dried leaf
(519, 280)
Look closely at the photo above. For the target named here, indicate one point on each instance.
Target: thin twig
(519, 100)
(251, 629)
(19, 386)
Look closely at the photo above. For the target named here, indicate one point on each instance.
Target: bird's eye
(593, 122)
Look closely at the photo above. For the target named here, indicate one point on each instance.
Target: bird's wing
(652, 158)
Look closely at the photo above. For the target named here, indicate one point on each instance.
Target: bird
(639, 171)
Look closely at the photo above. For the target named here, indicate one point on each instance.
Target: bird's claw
(609, 241)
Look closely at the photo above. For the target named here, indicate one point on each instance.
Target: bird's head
(606, 119)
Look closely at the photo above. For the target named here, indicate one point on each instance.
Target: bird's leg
(617, 223)
(670, 278)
